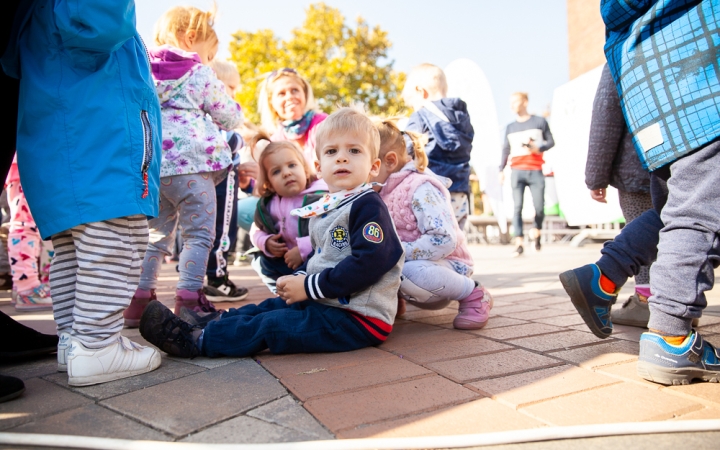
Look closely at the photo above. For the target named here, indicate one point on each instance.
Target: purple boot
(192, 300)
(474, 310)
(134, 312)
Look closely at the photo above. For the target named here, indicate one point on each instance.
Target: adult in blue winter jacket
(446, 123)
(88, 145)
(663, 57)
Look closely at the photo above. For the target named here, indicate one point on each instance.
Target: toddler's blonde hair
(269, 118)
(349, 120)
(172, 26)
(263, 186)
(226, 71)
(522, 95)
(428, 77)
(393, 140)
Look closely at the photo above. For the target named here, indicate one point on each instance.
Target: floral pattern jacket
(195, 106)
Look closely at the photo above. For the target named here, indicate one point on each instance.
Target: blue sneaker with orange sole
(590, 300)
(669, 364)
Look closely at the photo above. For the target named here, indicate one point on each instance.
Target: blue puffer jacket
(449, 141)
(89, 117)
(663, 57)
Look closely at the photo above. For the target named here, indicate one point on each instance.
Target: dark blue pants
(304, 327)
(636, 245)
(221, 194)
(535, 180)
(270, 269)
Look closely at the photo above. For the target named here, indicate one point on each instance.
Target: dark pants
(535, 180)
(270, 269)
(221, 194)
(636, 245)
(682, 232)
(304, 327)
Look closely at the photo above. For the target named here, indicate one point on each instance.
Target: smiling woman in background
(288, 110)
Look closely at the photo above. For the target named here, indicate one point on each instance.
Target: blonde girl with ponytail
(438, 265)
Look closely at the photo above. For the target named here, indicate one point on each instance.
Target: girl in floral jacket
(438, 265)
(195, 156)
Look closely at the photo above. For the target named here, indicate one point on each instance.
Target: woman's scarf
(296, 129)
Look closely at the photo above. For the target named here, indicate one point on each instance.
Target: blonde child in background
(285, 183)
(446, 122)
(30, 293)
(195, 156)
(438, 265)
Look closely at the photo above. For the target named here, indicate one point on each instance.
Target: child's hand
(276, 247)
(598, 195)
(293, 258)
(291, 288)
(248, 169)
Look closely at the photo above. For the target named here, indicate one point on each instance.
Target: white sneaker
(63, 344)
(122, 359)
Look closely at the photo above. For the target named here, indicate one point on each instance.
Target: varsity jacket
(357, 262)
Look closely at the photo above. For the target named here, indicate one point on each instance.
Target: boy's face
(518, 104)
(346, 162)
(414, 96)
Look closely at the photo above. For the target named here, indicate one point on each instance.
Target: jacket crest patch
(340, 237)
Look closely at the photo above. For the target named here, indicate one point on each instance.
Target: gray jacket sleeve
(606, 132)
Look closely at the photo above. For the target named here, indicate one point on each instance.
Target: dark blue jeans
(270, 269)
(636, 245)
(221, 194)
(304, 327)
(535, 180)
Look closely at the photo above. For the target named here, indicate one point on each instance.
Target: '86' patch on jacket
(357, 262)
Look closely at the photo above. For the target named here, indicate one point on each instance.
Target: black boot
(19, 341)
(10, 388)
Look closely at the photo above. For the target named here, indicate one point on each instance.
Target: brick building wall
(586, 36)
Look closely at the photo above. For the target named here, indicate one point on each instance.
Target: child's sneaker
(633, 312)
(6, 282)
(518, 251)
(474, 310)
(192, 300)
(122, 359)
(62, 348)
(224, 290)
(134, 312)
(199, 319)
(593, 304)
(160, 327)
(668, 364)
(35, 299)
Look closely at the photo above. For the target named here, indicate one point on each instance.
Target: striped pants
(93, 276)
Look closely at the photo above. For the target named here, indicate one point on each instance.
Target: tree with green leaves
(344, 65)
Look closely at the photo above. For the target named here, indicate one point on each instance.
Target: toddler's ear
(375, 168)
(391, 160)
(317, 166)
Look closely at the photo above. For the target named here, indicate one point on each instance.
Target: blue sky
(521, 45)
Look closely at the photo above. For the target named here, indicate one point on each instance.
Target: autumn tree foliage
(344, 65)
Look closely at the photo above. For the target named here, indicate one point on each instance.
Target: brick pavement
(534, 365)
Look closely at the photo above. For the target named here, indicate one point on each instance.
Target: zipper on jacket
(147, 150)
(147, 53)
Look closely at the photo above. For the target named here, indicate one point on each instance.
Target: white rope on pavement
(457, 441)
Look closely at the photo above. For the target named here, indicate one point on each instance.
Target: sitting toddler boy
(345, 298)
